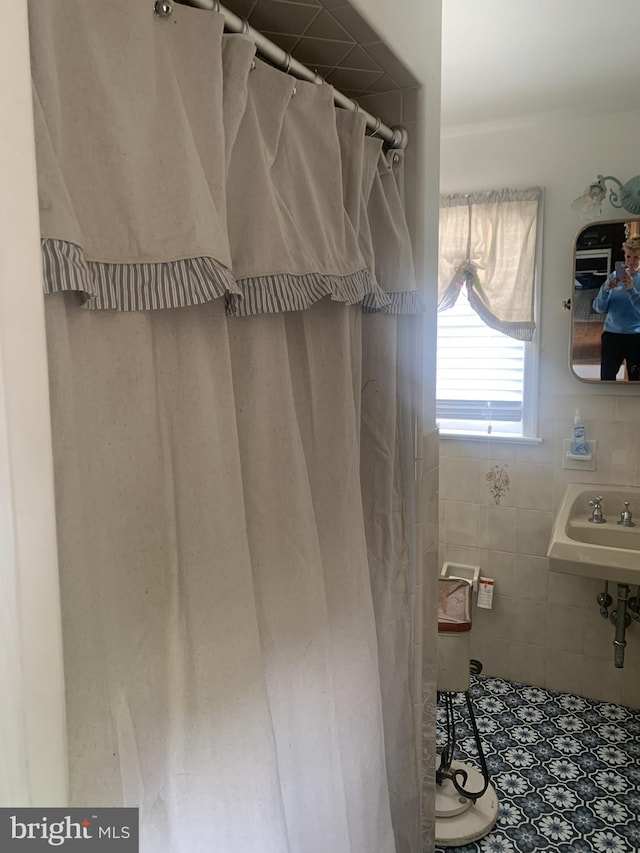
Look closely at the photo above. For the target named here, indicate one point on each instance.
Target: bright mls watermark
(103, 830)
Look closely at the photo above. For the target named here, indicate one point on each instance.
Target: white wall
(544, 628)
(32, 730)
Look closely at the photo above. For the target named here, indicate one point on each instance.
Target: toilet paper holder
(462, 571)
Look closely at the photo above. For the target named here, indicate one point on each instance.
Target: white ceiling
(505, 60)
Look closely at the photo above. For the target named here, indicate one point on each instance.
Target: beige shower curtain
(236, 597)
(220, 644)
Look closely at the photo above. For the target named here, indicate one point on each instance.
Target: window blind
(480, 372)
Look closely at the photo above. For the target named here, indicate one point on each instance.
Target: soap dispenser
(579, 446)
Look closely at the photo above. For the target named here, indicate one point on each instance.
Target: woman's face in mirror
(632, 261)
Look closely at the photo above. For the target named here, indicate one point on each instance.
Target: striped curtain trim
(404, 302)
(273, 294)
(133, 287)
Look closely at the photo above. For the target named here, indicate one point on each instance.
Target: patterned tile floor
(566, 770)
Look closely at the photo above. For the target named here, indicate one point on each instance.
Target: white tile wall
(545, 628)
(330, 37)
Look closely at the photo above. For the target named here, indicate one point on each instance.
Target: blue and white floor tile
(566, 770)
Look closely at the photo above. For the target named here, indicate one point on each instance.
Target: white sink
(607, 551)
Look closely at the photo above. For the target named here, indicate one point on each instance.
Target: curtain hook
(253, 65)
(162, 8)
(287, 68)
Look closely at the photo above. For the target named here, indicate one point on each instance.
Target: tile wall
(544, 628)
(331, 38)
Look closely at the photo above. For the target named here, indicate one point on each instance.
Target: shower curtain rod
(396, 137)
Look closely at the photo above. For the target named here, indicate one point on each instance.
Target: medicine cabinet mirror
(597, 248)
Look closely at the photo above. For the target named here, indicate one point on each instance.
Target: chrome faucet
(626, 518)
(596, 512)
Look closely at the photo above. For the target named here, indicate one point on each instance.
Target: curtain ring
(356, 106)
(216, 5)
(245, 27)
(377, 127)
(287, 63)
(162, 8)
(253, 65)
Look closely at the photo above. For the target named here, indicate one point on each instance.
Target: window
(480, 378)
(486, 382)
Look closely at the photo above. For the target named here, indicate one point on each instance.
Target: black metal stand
(459, 776)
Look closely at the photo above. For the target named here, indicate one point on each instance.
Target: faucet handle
(626, 517)
(596, 513)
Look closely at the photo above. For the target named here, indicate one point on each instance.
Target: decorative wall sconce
(621, 196)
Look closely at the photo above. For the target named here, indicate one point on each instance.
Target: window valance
(488, 245)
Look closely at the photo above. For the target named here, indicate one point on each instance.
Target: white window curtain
(488, 245)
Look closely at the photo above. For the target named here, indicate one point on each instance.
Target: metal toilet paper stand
(466, 802)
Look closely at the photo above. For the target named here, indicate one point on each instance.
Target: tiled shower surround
(545, 628)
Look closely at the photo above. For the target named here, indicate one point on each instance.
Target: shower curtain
(226, 267)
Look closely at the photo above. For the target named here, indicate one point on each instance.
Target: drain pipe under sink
(621, 619)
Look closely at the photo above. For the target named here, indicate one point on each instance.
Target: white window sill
(493, 437)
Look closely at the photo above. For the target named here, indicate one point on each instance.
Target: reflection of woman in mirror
(619, 299)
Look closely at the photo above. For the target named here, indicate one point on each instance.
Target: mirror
(598, 247)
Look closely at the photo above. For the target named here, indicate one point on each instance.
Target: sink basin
(606, 551)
